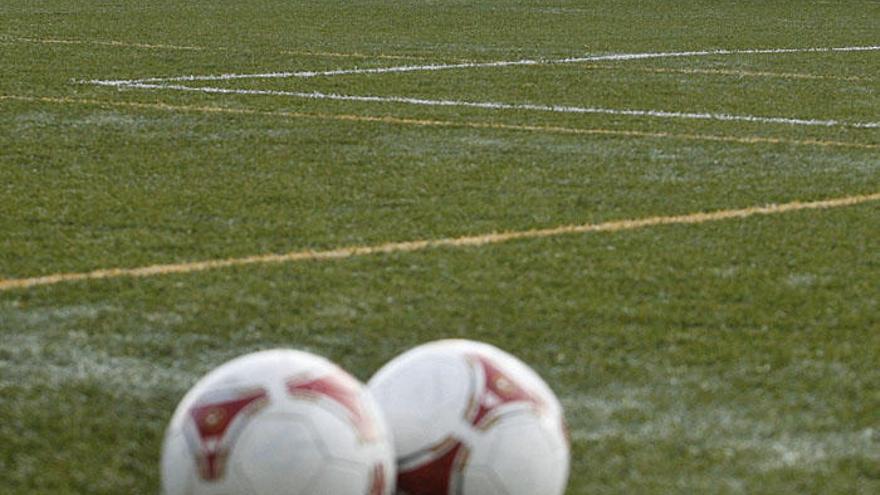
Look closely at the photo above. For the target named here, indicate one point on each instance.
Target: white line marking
(474, 65)
(662, 114)
(403, 121)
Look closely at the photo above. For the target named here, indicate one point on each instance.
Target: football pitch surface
(671, 210)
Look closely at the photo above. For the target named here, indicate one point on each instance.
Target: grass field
(736, 352)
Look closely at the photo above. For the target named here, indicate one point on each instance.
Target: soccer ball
(274, 422)
(469, 419)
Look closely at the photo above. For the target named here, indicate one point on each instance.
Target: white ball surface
(278, 422)
(470, 419)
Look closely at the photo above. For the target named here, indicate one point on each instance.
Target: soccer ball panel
(280, 450)
(244, 429)
(422, 397)
(341, 477)
(527, 455)
(470, 419)
(483, 481)
(178, 466)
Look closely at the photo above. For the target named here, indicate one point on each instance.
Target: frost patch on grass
(339, 311)
(52, 347)
(113, 120)
(103, 119)
(12, 316)
(667, 175)
(33, 361)
(164, 319)
(727, 272)
(801, 280)
(668, 414)
(604, 407)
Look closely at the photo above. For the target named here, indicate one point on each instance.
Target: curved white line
(475, 65)
(488, 105)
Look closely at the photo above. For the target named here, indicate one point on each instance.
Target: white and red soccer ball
(470, 419)
(278, 422)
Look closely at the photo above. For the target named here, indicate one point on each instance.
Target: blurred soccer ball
(470, 419)
(276, 422)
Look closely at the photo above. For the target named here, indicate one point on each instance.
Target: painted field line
(478, 65)
(121, 44)
(421, 245)
(491, 105)
(728, 72)
(160, 46)
(403, 121)
(385, 56)
(384, 119)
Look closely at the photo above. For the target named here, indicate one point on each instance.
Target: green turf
(728, 357)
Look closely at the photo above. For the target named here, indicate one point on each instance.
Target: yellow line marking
(159, 46)
(449, 123)
(421, 245)
(729, 72)
(55, 41)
